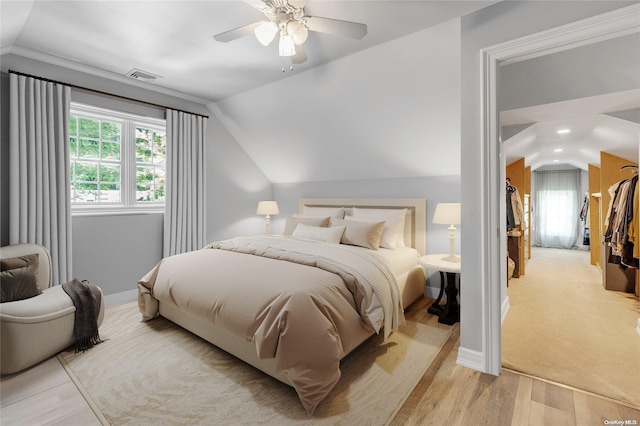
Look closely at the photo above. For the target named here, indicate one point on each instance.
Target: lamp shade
(297, 31)
(286, 46)
(265, 32)
(447, 214)
(267, 208)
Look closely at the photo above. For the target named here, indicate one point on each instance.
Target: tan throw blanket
(86, 316)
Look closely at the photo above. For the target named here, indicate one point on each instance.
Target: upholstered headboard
(415, 222)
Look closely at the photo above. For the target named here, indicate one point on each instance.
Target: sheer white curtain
(184, 220)
(39, 191)
(557, 208)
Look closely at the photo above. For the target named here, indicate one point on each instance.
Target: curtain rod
(104, 93)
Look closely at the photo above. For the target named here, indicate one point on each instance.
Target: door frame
(617, 23)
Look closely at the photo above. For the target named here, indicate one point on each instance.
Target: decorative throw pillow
(329, 235)
(294, 220)
(19, 278)
(393, 234)
(363, 234)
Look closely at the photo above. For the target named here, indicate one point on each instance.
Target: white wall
(490, 26)
(386, 112)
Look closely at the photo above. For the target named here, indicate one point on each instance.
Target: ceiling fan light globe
(286, 46)
(297, 31)
(266, 32)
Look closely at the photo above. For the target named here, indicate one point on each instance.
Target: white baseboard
(505, 308)
(471, 359)
(638, 326)
(122, 297)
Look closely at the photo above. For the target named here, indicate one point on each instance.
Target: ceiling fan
(287, 17)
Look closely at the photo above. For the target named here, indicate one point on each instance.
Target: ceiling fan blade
(236, 33)
(336, 26)
(300, 56)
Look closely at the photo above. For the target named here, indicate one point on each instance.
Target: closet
(612, 171)
(519, 233)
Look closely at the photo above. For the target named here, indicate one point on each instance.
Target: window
(557, 208)
(117, 160)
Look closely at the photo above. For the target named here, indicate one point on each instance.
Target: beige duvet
(304, 303)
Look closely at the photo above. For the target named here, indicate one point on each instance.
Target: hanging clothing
(584, 217)
(511, 221)
(634, 226)
(621, 223)
(584, 212)
(515, 209)
(518, 208)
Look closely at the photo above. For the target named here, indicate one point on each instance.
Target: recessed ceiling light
(556, 161)
(557, 150)
(563, 131)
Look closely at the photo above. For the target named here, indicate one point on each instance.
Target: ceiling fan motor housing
(281, 12)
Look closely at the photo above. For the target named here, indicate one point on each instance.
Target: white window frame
(129, 122)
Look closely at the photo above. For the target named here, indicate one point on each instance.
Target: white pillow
(393, 234)
(363, 234)
(324, 211)
(329, 235)
(294, 220)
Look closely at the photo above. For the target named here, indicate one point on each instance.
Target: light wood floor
(447, 394)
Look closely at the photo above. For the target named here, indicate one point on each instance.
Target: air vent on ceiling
(142, 75)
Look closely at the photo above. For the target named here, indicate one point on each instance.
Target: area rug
(563, 326)
(158, 373)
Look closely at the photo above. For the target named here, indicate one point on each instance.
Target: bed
(294, 305)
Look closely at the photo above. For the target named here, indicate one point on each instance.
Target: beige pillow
(329, 235)
(19, 278)
(294, 220)
(360, 233)
(393, 234)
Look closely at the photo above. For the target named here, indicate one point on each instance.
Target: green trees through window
(151, 148)
(116, 160)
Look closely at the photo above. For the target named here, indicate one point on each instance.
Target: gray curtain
(557, 208)
(184, 219)
(39, 188)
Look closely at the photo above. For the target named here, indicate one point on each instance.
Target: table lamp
(449, 214)
(267, 208)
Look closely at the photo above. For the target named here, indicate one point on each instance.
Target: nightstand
(450, 312)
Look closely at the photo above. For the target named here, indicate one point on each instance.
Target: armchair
(38, 327)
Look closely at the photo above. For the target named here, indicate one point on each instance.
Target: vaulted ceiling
(174, 39)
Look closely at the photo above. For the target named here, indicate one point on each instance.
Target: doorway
(587, 31)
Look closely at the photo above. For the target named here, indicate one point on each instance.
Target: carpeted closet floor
(563, 326)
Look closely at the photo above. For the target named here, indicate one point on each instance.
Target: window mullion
(130, 166)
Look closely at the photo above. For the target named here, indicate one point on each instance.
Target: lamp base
(451, 258)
